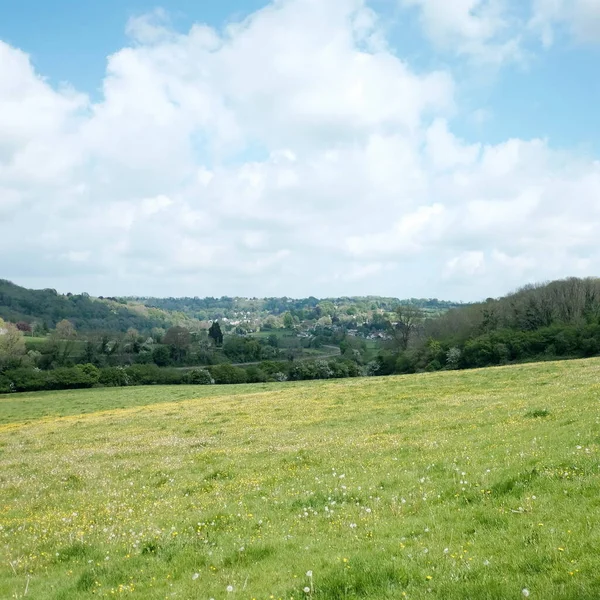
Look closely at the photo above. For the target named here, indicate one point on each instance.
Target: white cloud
(495, 32)
(581, 18)
(292, 154)
(465, 265)
(482, 30)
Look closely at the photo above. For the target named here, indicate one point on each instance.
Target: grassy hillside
(472, 484)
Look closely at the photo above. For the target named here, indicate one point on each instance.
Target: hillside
(87, 314)
(466, 484)
(119, 314)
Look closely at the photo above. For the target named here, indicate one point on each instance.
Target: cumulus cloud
(496, 32)
(580, 17)
(482, 30)
(291, 153)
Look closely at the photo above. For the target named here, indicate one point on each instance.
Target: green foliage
(84, 313)
(161, 355)
(256, 375)
(199, 377)
(178, 339)
(227, 374)
(216, 334)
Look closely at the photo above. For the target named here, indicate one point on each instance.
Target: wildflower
(309, 573)
(307, 590)
(195, 576)
(525, 592)
(230, 588)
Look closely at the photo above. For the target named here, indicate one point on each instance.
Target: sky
(407, 148)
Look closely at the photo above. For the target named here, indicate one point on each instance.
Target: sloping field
(480, 484)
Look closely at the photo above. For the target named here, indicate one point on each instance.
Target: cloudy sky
(299, 147)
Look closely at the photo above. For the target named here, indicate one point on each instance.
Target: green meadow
(468, 484)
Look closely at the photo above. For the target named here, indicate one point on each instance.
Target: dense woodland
(54, 341)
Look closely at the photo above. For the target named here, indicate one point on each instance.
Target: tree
(12, 345)
(288, 321)
(161, 356)
(65, 330)
(216, 334)
(453, 357)
(409, 320)
(179, 339)
(24, 327)
(132, 340)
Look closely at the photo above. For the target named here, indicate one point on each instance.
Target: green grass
(32, 343)
(473, 484)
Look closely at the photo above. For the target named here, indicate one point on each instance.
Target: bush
(453, 357)
(24, 380)
(114, 377)
(199, 377)
(143, 374)
(256, 375)
(228, 374)
(79, 376)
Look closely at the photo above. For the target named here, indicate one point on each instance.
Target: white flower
(195, 576)
(307, 590)
(352, 525)
(309, 573)
(525, 592)
(230, 588)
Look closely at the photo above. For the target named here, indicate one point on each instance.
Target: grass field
(474, 484)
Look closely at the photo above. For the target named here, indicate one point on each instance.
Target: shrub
(226, 374)
(256, 375)
(114, 377)
(24, 380)
(453, 357)
(143, 374)
(199, 377)
(80, 376)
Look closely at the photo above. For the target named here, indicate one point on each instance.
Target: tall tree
(409, 319)
(179, 339)
(65, 330)
(216, 334)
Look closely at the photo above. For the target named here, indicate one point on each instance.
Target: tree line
(560, 319)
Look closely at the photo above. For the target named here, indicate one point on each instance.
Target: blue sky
(486, 108)
(70, 40)
(553, 94)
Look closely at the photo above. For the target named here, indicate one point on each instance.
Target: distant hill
(142, 313)
(86, 313)
(304, 308)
